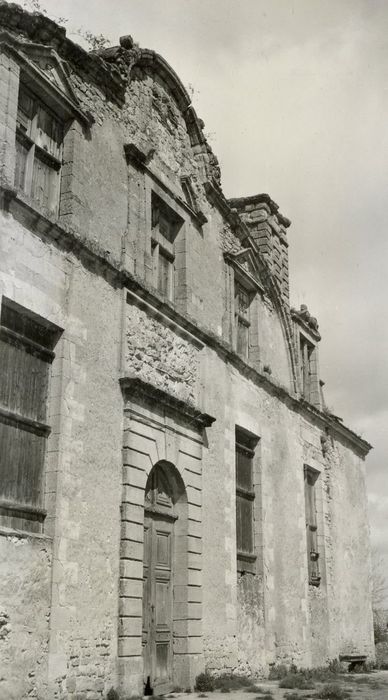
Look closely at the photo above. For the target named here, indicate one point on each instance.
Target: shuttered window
(26, 353)
(245, 496)
(39, 136)
(310, 485)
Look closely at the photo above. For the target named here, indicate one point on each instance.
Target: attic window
(306, 367)
(165, 226)
(39, 142)
(188, 192)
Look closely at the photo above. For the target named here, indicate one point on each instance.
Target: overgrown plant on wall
(93, 41)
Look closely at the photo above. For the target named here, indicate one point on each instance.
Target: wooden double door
(158, 601)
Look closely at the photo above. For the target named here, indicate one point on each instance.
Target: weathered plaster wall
(89, 492)
(24, 615)
(273, 351)
(33, 275)
(95, 183)
(289, 615)
(349, 602)
(83, 466)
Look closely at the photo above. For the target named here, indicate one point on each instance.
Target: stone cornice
(272, 207)
(99, 261)
(134, 386)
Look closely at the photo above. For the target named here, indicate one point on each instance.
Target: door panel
(157, 601)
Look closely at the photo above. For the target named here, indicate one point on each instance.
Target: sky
(294, 96)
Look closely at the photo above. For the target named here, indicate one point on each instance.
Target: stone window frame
(144, 182)
(242, 318)
(249, 562)
(308, 368)
(252, 287)
(166, 225)
(28, 138)
(63, 105)
(312, 483)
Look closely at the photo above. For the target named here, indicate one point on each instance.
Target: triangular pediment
(43, 64)
(246, 266)
(48, 62)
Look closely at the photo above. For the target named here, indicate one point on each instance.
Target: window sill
(23, 534)
(246, 563)
(48, 214)
(246, 557)
(315, 582)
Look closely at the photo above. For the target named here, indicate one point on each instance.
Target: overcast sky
(294, 95)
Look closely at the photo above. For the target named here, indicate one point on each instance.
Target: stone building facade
(174, 494)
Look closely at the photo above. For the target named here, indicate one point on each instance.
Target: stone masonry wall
(161, 356)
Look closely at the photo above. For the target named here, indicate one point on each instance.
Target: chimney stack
(267, 227)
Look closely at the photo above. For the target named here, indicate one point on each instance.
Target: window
(245, 496)
(39, 136)
(310, 482)
(241, 311)
(306, 357)
(26, 352)
(165, 226)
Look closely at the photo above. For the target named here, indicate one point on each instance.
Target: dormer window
(165, 227)
(39, 138)
(307, 372)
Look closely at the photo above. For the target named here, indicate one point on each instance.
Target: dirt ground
(371, 686)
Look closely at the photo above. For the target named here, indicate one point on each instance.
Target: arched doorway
(165, 548)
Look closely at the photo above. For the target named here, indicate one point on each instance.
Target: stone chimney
(267, 227)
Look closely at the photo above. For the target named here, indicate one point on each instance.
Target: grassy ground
(319, 684)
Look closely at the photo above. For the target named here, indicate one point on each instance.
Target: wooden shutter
(245, 496)
(25, 358)
(39, 138)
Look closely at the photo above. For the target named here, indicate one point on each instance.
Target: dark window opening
(310, 482)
